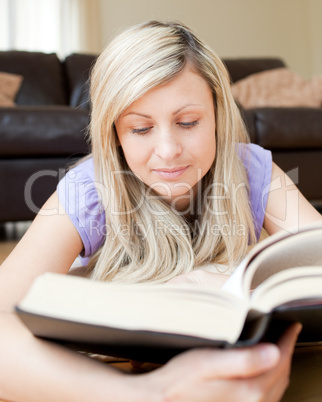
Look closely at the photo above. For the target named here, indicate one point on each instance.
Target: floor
(10, 234)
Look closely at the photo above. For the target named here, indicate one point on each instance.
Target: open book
(279, 281)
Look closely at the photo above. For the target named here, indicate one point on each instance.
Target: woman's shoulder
(253, 154)
(257, 162)
(77, 192)
(258, 165)
(79, 181)
(84, 168)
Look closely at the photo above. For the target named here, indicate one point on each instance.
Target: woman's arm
(287, 208)
(35, 370)
(259, 373)
(51, 244)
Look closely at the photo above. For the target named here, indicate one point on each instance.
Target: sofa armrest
(43, 79)
(43, 131)
(77, 69)
(243, 67)
(285, 128)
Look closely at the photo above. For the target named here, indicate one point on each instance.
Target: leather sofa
(293, 134)
(46, 131)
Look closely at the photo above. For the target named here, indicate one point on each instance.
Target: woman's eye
(141, 131)
(189, 124)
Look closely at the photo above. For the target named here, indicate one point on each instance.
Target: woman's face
(168, 137)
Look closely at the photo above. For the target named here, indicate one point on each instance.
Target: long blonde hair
(146, 240)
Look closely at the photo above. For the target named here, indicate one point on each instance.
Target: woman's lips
(173, 173)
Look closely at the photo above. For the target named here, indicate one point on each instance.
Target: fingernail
(299, 327)
(269, 354)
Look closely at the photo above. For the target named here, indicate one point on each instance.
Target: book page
(280, 251)
(298, 250)
(234, 284)
(295, 285)
(189, 310)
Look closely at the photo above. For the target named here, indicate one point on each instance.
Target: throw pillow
(279, 87)
(316, 87)
(9, 87)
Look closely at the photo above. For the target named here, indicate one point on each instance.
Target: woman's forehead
(188, 88)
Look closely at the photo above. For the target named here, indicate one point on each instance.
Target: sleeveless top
(80, 199)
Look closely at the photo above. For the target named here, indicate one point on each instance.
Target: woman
(172, 186)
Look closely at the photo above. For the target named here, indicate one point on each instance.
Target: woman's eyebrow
(138, 114)
(183, 107)
(174, 113)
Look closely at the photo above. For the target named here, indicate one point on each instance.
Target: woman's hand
(258, 373)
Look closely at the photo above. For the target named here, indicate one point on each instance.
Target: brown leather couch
(46, 131)
(294, 135)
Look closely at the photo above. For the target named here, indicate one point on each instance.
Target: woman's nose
(168, 147)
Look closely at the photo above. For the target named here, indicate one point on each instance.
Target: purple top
(79, 197)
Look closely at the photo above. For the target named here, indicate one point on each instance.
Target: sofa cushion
(279, 87)
(43, 131)
(305, 170)
(26, 183)
(285, 128)
(242, 67)
(78, 68)
(9, 86)
(43, 82)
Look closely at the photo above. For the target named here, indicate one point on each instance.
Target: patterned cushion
(280, 87)
(9, 87)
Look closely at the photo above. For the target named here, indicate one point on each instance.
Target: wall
(289, 29)
(315, 30)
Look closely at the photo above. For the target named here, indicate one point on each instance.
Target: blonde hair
(136, 61)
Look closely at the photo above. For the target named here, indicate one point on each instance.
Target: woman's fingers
(213, 375)
(287, 342)
(256, 373)
(274, 383)
(234, 363)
